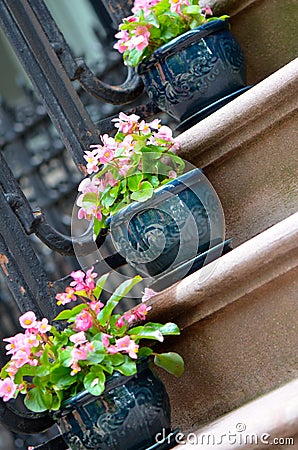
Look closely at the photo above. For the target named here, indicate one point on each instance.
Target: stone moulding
(250, 266)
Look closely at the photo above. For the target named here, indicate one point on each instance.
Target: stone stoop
(239, 314)
(266, 30)
(248, 150)
(239, 318)
(269, 421)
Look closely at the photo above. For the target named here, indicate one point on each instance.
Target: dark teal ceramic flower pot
(182, 220)
(127, 416)
(195, 70)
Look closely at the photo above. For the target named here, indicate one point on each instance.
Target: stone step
(248, 150)
(239, 319)
(271, 420)
(266, 30)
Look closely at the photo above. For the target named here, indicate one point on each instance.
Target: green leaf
(61, 377)
(144, 193)
(144, 351)
(24, 371)
(117, 359)
(134, 181)
(128, 368)
(38, 401)
(98, 354)
(94, 381)
(70, 313)
(193, 10)
(65, 357)
(3, 373)
(166, 329)
(57, 398)
(100, 284)
(143, 332)
(105, 314)
(171, 362)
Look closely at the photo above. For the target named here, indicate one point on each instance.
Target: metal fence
(41, 160)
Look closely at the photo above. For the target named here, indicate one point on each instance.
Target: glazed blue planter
(182, 220)
(127, 416)
(202, 67)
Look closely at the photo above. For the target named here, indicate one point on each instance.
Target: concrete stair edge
(253, 264)
(267, 421)
(243, 119)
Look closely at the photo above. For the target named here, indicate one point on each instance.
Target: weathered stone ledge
(250, 266)
(271, 420)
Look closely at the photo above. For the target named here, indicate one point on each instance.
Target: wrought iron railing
(52, 69)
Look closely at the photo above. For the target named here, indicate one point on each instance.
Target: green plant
(127, 167)
(156, 22)
(49, 366)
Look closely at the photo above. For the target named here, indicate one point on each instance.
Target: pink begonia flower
(7, 389)
(207, 10)
(88, 346)
(96, 306)
(88, 213)
(141, 311)
(28, 320)
(78, 338)
(107, 155)
(120, 322)
(176, 5)
(75, 368)
(20, 358)
(164, 133)
(122, 37)
(30, 340)
(43, 326)
(88, 185)
(105, 338)
(144, 5)
(125, 344)
(14, 343)
(148, 293)
(79, 354)
(82, 281)
(66, 297)
(92, 159)
(154, 124)
(108, 142)
(126, 123)
(83, 321)
(12, 369)
(145, 127)
(140, 40)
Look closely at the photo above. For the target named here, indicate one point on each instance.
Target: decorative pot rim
(175, 186)
(180, 42)
(113, 381)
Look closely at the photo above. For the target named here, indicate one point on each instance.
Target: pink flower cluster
(81, 282)
(139, 313)
(25, 348)
(154, 23)
(116, 155)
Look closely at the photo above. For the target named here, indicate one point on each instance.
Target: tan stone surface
(237, 354)
(248, 150)
(270, 420)
(266, 30)
(240, 335)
